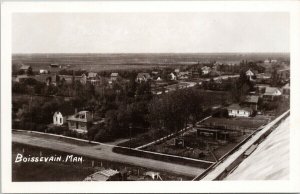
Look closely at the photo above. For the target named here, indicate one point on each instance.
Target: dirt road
(102, 152)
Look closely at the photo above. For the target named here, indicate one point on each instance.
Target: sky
(150, 32)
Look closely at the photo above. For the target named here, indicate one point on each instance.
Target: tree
(29, 71)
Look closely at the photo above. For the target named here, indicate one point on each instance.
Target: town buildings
(143, 77)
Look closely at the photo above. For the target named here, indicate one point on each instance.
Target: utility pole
(130, 128)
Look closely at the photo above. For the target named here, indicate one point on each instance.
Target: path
(101, 152)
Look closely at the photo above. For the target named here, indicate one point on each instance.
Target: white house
(59, 119)
(114, 76)
(236, 110)
(249, 73)
(173, 76)
(44, 71)
(205, 70)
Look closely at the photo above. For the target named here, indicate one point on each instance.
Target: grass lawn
(236, 123)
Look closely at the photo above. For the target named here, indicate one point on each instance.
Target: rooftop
(102, 175)
(251, 99)
(238, 107)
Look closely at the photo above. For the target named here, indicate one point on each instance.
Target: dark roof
(251, 99)
(144, 75)
(114, 74)
(238, 107)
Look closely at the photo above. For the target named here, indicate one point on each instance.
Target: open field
(237, 122)
(107, 62)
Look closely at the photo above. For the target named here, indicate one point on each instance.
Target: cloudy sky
(149, 32)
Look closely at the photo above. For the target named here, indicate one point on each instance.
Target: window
(60, 120)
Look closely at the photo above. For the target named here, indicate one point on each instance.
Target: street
(101, 152)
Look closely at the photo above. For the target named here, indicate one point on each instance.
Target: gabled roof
(286, 86)
(249, 72)
(144, 75)
(24, 67)
(271, 91)
(102, 175)
(238, 107)
(251, 99)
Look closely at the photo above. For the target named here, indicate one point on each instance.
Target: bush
(103, 136)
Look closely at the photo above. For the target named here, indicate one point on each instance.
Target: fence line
(262, 133)
(116, 146)
(170, 135)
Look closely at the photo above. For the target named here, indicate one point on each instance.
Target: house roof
(286, 86)
(24, 67)
(251, 99)
(144, 75)
(114, 74)
(238, 107)
(80, 116)
(205, 68)
(92, 74)
(102, 175)
(271, 90)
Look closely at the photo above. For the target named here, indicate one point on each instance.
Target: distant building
(22, 78)
(49, 79)
(142, 77)
(105, 175)
(25, 68)
(158, 78)
(173, 76)
(93, 78)
(80, 122)
(177, 71)
(271, 94)
(284, 74)
(54, 65)
(205, 70)
(236, 110)
(44, 71)
(251, 101)
(249, 74)
(114, 76)
(83, 79)
(60, 117)
(263, 76)
(286, 90)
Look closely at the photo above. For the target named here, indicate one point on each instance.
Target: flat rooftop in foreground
(270, 160)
